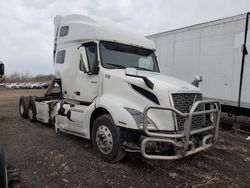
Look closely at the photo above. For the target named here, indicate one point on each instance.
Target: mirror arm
(195, 83)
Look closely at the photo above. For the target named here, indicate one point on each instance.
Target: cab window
(91, 51)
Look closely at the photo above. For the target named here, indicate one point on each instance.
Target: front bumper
(181, 141)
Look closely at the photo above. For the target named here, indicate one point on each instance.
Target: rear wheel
(31, 114)
(3, 172)
(23, 107)
(106, 139)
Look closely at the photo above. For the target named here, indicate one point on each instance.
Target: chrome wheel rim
(104, 139)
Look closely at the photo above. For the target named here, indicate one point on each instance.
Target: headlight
(138, 116)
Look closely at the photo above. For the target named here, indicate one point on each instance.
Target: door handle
(93, 82)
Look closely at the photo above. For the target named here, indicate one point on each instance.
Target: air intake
(146, 93)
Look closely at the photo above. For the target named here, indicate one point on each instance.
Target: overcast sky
(26, 26)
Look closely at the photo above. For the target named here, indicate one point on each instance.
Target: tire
(106, 139)
(32, 114)
(23, 107)
(3, 173)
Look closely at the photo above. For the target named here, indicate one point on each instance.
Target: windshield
(120, 56)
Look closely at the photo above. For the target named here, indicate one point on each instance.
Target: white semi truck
(112, 92)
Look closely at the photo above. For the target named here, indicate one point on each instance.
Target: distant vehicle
(22, 86)
(28, 85)
(7, 85)
(36, 85)
(44, 85)
(11, 86)
(18, 85)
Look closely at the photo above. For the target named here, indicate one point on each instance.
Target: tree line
(26, 77)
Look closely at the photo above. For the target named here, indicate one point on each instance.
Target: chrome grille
(184, 102)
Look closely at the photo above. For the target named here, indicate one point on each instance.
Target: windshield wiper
(141, 68)
(115, 65)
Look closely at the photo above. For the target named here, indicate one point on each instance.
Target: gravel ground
(48, 159)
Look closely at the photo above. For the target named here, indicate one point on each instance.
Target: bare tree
(27, 77)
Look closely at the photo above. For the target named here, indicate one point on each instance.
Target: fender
(119, 114)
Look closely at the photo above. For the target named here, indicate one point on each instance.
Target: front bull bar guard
(215, 109)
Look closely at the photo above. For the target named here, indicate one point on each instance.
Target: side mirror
(84, 60)
(1, 69)
(197, 80)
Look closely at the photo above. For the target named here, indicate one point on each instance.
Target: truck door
(87, 74)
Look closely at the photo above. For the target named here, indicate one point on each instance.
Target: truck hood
(161, 81)
(170, 83)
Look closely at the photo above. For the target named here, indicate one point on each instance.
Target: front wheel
(106, 139)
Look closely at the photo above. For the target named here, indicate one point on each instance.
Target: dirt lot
(47, 159)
